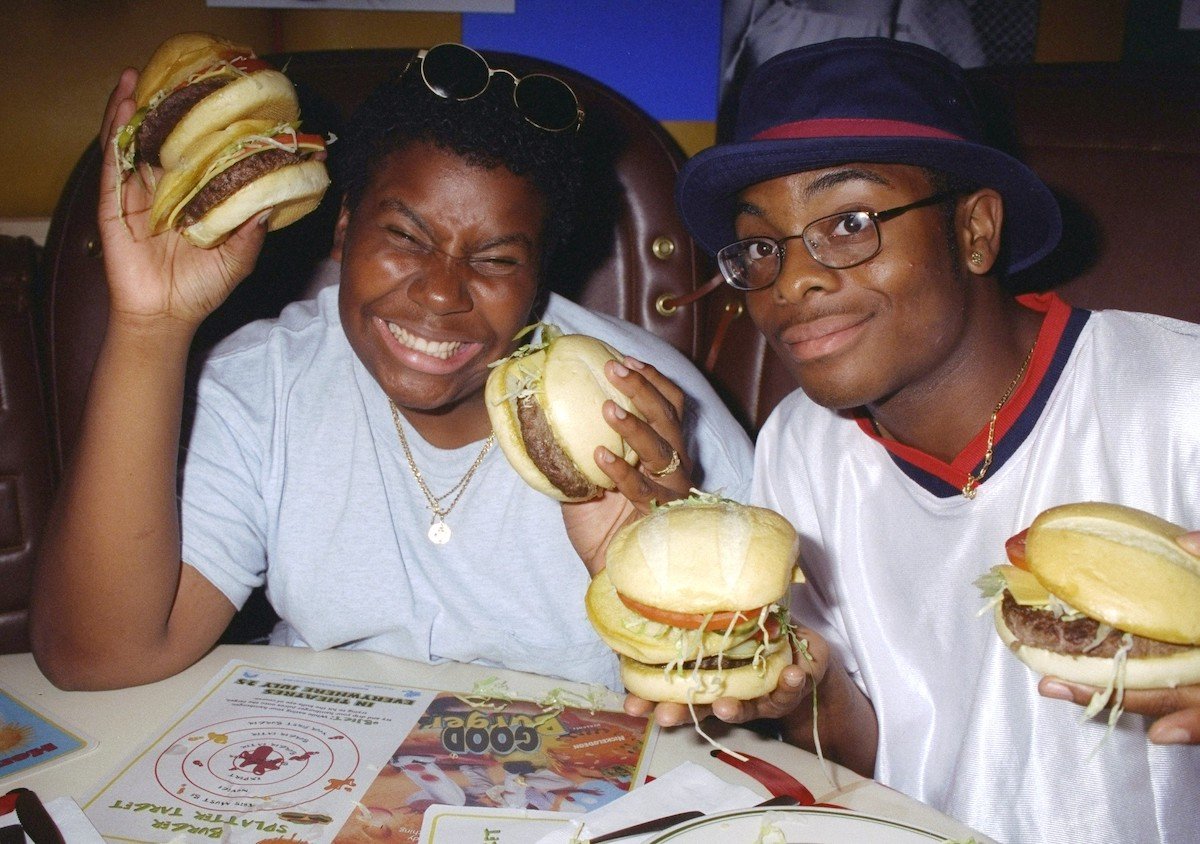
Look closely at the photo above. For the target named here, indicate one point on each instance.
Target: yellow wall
(67, 54)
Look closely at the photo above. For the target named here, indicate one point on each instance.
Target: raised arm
(112, 603)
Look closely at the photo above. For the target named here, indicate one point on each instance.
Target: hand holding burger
(545, 404)
(215, 137)
(1105, 596)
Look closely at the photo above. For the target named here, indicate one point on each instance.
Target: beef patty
(159, 121)
(544, 451)
(233, 178)
(1039, 628)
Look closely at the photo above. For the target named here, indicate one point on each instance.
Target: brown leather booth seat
(1118, 143)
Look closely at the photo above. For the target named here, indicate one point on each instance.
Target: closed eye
(407, 241)
(494, 265)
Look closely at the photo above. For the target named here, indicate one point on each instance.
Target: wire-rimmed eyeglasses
(456, 72)
(838, 241)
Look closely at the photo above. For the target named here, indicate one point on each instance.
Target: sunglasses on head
(456, 72)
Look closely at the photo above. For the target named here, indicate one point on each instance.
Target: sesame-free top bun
(1121, 566)
(180, 56)
(1146, 672)
(700, 556)
(264, 95)
(564, 373)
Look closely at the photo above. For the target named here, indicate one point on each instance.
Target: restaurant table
(124, 721)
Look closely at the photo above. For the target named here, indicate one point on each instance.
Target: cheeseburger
(1100, 594)
(194, 84)
(544, 401)
(233, 174)
(223, 127)
(694, 597)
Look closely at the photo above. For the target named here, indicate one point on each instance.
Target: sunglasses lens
(455, 72)
(547, 102)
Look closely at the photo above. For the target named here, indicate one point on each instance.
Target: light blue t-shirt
(294, 476)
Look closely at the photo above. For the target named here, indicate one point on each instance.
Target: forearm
(109, 570)
(843, 722)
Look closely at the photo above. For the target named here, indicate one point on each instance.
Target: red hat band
(846, 127)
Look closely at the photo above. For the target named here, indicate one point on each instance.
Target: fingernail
(263, 218)
(1054, 689)
(605, 456)
(1190, 542)
(620, 370)
(619, 411)
(635, 363)
(1170, 735)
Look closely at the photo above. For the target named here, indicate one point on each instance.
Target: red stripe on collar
(1049, 337)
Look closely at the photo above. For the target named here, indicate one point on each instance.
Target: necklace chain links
(973, 480)
(439, 531)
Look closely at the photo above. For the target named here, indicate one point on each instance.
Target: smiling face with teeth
(440, 266)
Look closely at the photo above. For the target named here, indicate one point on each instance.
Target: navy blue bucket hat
(873, 100)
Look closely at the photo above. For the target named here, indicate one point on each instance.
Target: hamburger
(694, 600)
(1100, 594)
(233, 174)
(223, 127)
(194, 84)
(544, 402)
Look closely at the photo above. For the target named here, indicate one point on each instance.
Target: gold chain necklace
(439, 531)
(972, 485)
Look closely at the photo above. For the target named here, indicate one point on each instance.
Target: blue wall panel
(662, 54)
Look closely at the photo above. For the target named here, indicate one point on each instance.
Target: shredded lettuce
(1115, 686)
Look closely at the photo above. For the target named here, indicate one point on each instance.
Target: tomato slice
(250, 64)
(1015, 549)
(691, 621)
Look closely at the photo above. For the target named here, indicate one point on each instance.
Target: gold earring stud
(976, 257)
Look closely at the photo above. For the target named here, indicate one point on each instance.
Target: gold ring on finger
(670, 467)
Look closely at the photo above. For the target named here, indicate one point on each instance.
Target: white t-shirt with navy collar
(1110, 411)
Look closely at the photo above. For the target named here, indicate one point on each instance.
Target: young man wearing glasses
(342, 454)
(872, 228)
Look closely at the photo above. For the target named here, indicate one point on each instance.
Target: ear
(339, 232)
(980, 218)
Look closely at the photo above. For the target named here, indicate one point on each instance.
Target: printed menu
(266, 756)
(29, 738)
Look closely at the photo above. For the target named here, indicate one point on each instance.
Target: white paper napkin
(70, 820)
(682, 789)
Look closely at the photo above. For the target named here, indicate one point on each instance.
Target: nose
(442, 285)
(802, 274)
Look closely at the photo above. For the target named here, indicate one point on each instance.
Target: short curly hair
(487, 131)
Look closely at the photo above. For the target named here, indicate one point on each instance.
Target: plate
(795, 825)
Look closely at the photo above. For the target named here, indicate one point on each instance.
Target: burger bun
(264, 95)
(700, 686)
(1118, 565)
(570, 386)
(703, 557)
(1155, 672)
(291, 192)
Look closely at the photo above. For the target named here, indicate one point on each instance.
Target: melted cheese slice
(1026, 589)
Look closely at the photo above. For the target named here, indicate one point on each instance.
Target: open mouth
(441, 349)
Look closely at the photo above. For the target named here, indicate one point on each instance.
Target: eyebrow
(400, 207)
(840, 177)
(819, 185)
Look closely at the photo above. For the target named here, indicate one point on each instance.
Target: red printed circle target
(257, 763)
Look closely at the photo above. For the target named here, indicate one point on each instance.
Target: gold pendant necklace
(972, 485)
(439, 532)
